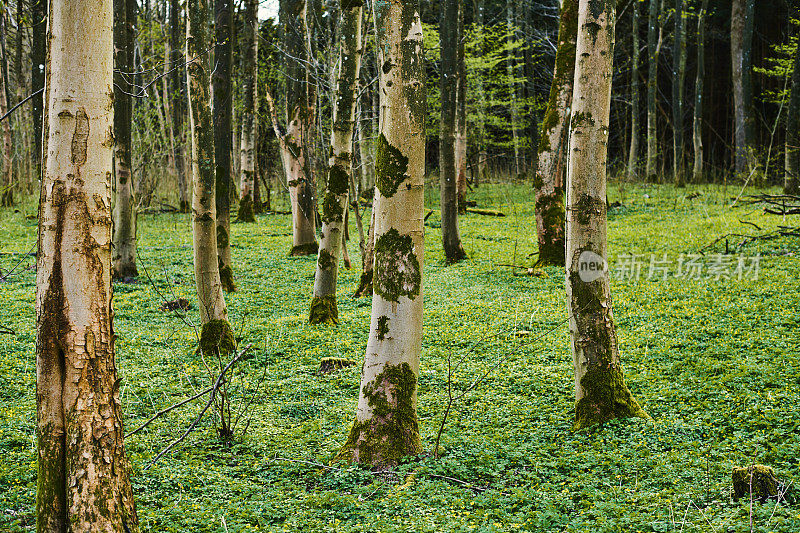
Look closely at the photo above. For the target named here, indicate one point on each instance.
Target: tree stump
(761, 479)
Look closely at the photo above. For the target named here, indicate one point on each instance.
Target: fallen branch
(217, 384)
(487, 212)
(167, 410)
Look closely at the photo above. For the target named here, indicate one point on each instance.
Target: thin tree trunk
(7, 197)
(550, 212)
(741, 52)
(223, 109)
(367, 260)
(450, 12)
(123, 259)
(697, 122)
(633, 153)
(38, 53)
(654, 32)
(176, 44)
(213, 312)
(386, 426)
(334, 206)
(248, 149)
(678, 78)
(512, 86)
(791, 183)
(461, 116)
(83, 482)
(480, 171)
(600, 390)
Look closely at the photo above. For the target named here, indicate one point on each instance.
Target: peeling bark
(83, 474)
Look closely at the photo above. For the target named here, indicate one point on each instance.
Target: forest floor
(714, 359)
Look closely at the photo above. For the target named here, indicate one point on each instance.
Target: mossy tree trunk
(633, 152)
(741, 53)
(449, 14)
(176, 85)
(678, 78)
(204, 232)
(697, 122)
(334, 206)
(552, 152)
(124, 212)
(654, 33)
(300, 116)
(83, 475)
(247, 164)
(600, 390)
(386, 427)
(223, 111)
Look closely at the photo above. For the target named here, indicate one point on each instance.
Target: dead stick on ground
(168, 409)
(210, 401)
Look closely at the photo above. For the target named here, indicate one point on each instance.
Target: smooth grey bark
(450, 11)
(600, 390)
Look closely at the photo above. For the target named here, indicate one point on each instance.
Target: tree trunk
(633, 153)
(367, 260)
(697, 122)
(123, 259)
(678, 78)
(512, 85)
(176, 44)
(741, 53)
(553, 140)
(461, 116)
(600, 390)
(791, 183)
(223, 109)
(450, 12)
(386, 427)
(653, 50)
(248, 150)
(213, 312)
(480, 170)
(334, 206)
(38, 53)
(83, 482)
(7, 196)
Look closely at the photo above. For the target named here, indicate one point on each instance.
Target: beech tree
(600, 390)
(340, 171)
(223, 111)
(741, 53)
(552, 152)
(177, 106)
(653, 50)
(38, 57)
(124, 211)
(678, 77)
(83, 474)
(213, 311)
(697, 122)
(633, 152)
(249, 76)
(386, 426)
(7, 196)
(450, 13)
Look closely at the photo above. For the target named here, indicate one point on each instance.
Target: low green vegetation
(714, 362)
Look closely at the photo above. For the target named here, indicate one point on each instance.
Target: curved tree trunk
(600, 390)
(633, 153)
(653, 50)
(83, 482)
(697, 122)
(204, 232)
(553, 154)
(450, 12)
(248, 149)
(340, 173)
(123, 258)
(223, 110)
(386, 427)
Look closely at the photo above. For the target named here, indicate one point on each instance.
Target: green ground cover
(715, 362)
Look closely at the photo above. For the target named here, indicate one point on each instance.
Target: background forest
(259, 165)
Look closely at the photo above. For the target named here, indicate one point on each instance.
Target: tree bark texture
(83, 474)
(247, 165)
(552, 152)
(741, 53)
(653, 51)
(600, 390)
(334, 205)
(461, 115)
(223, 112)
(7, 196)
(177, 42)
(697, 122)
(450, 12)
(386, 426)
(678, 79)
(38, 58)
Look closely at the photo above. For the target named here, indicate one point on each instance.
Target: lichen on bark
(390, 167)
(397, 270)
